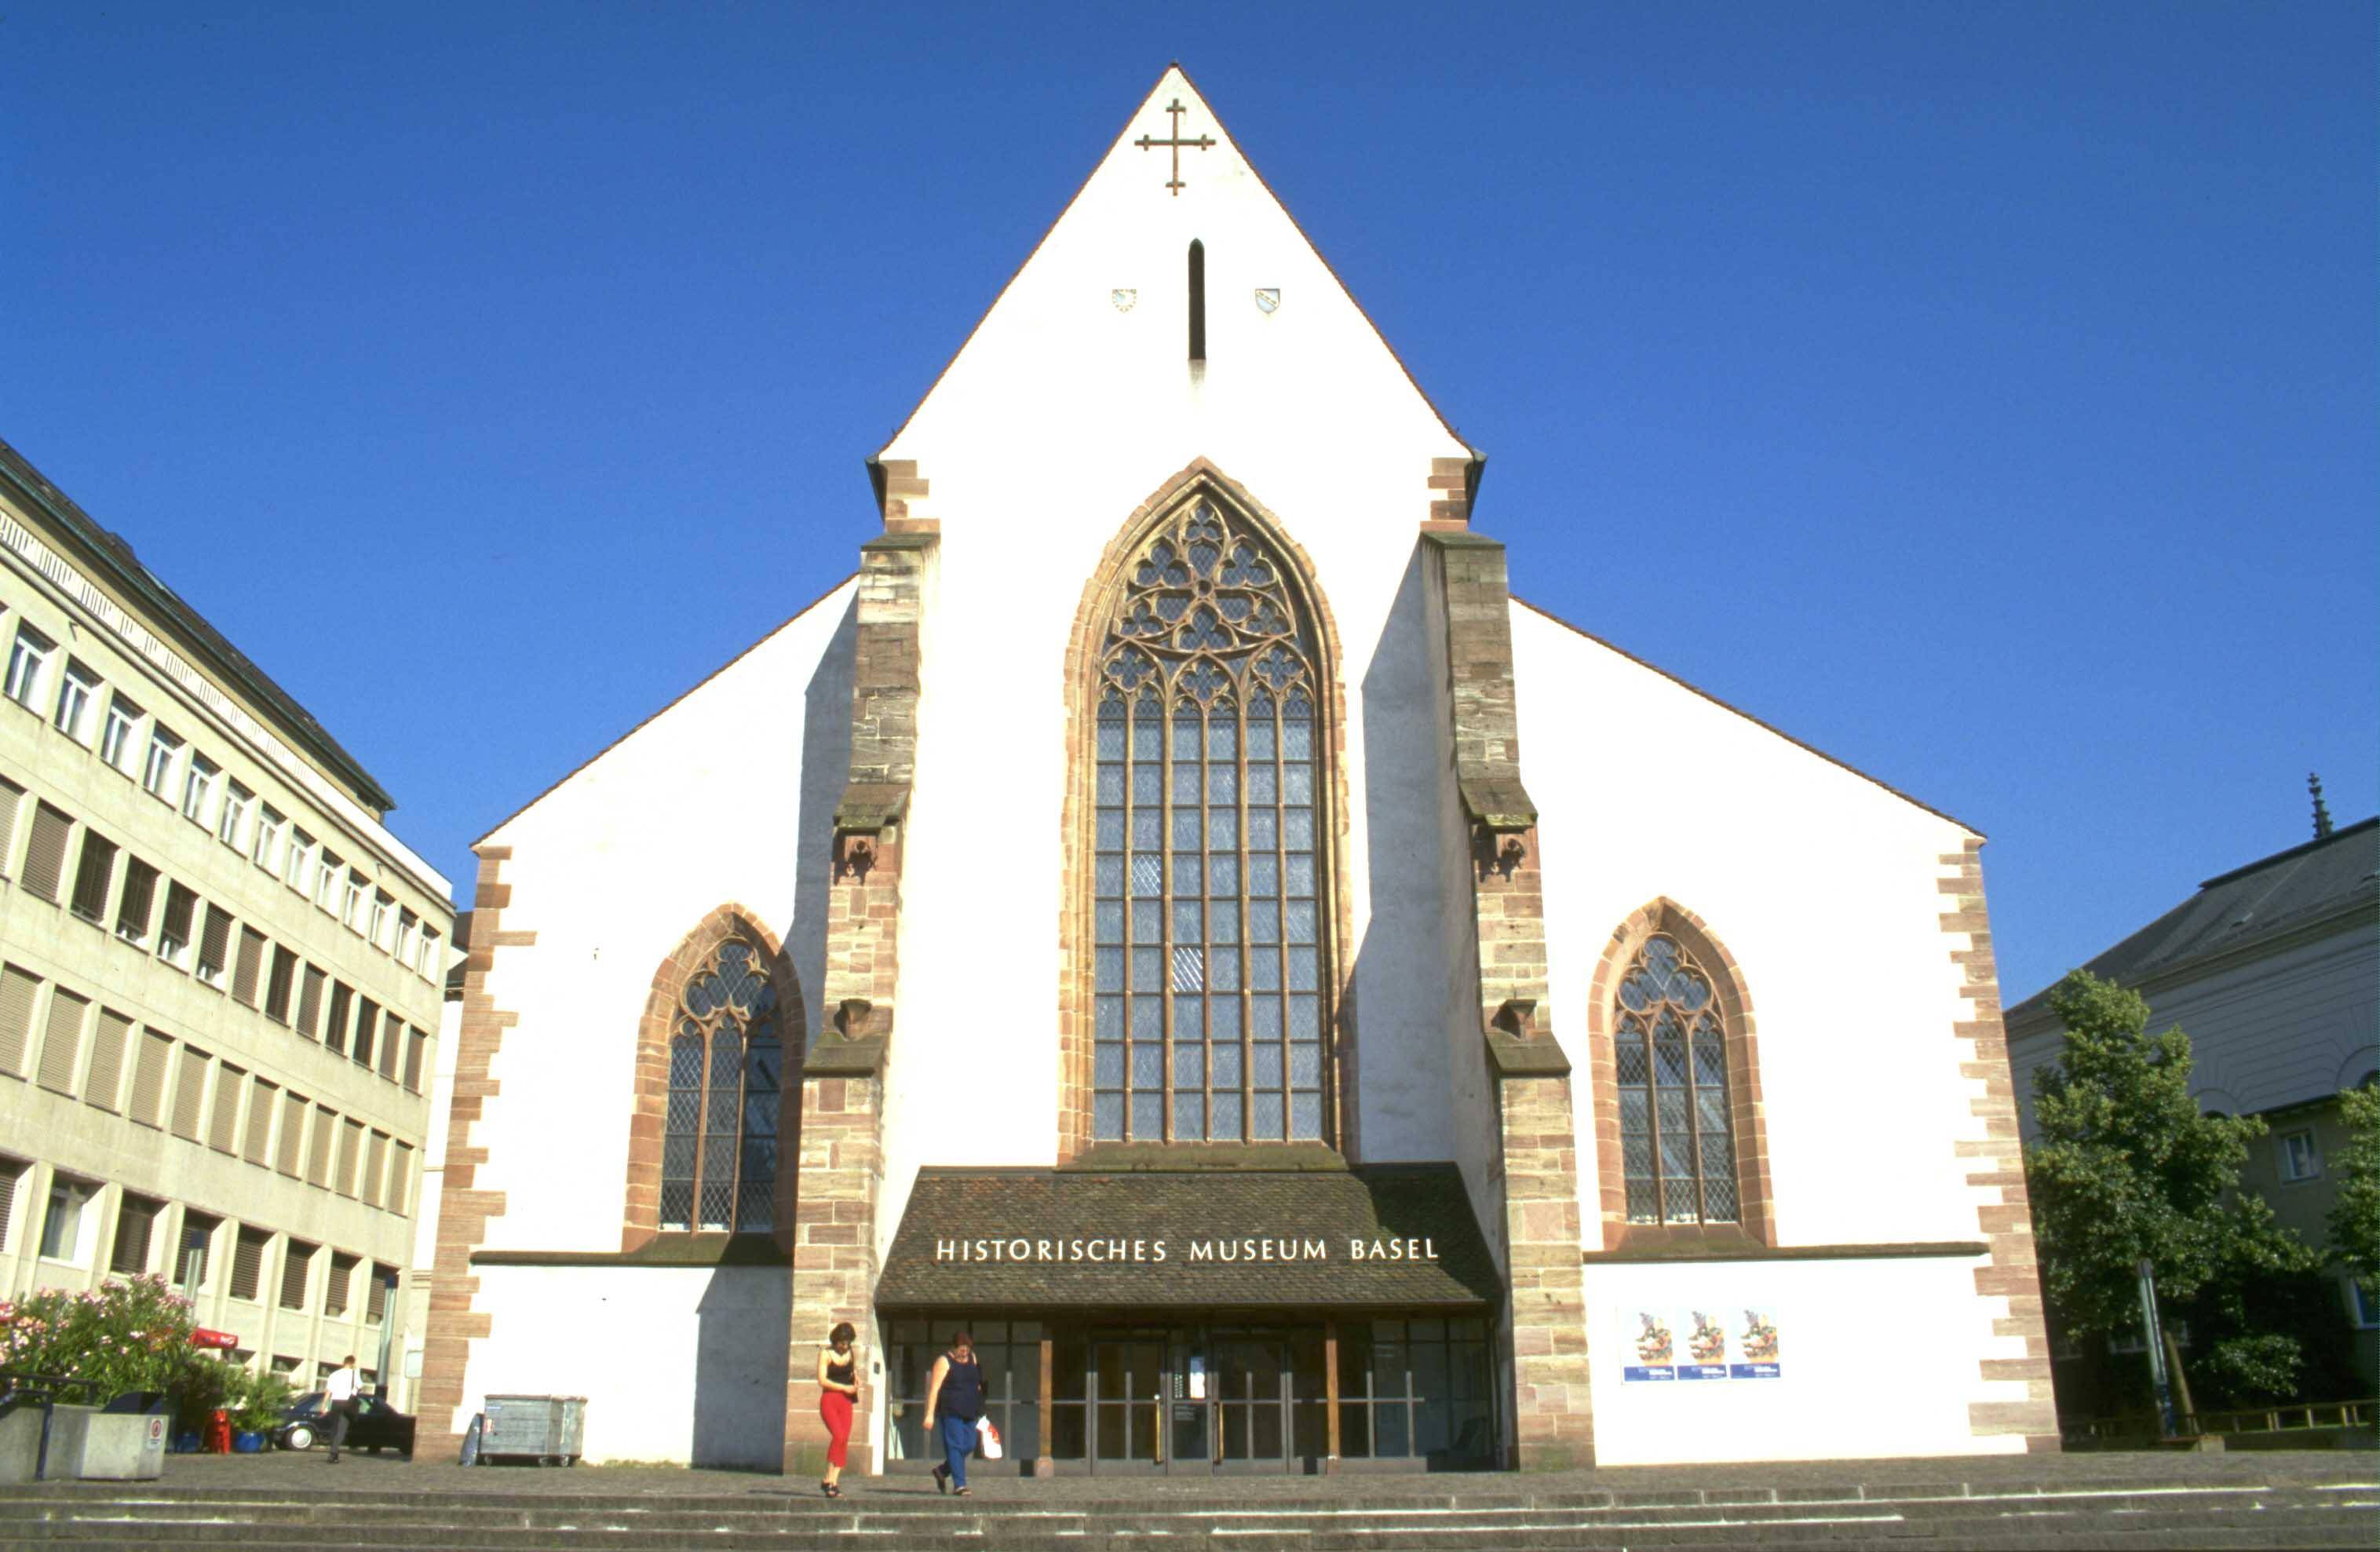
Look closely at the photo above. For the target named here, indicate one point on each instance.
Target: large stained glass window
(1209, 999)
(719, 1147)
(1676, 1135)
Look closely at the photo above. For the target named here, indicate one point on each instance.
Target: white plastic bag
(990, 1437)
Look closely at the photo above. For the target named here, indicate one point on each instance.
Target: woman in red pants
(838, 1378)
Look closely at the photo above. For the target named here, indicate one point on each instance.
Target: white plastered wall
(726, 795)
(678, 1364)
(1824, 886)
(1062, 415)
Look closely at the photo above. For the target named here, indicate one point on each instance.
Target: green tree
(2126, 1166)
(2355, 1220)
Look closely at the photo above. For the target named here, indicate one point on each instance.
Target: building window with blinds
(223, 1129)
(189, 1093)
(136, 1225)
(383, 1279)
(110, 1037)
(138, 903)
(719, 1145)
(290, 1155)
(66, 1227)
(12, 1176)
(278, 983)
(215, 946)
(190, 1256)
(46, 854)
(1676, 1126)
(95, 870)
(62, 1041)
(296, 1269)
(248, 1263)
(1211, 969)
(246, 968)
(149, 1077)
(174, 933)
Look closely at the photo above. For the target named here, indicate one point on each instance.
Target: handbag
(989, 1438)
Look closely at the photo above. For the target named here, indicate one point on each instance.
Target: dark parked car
(375, 1426)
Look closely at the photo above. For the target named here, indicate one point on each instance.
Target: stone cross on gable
(1174, 140)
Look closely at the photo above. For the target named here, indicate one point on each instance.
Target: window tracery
(719, 1149)
(1211, 962)
(1676, 1130)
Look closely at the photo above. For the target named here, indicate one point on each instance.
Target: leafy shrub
(131, 1335)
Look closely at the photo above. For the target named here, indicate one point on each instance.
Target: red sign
(204, 1338)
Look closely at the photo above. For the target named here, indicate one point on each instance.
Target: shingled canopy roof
(1401, 1203)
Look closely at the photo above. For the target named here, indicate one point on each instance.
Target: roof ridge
(2300, 849)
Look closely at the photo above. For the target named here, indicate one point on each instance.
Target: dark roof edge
(115, 557)
(1766, 727)
(2033, 1011)
(2300, 849)
(647, 720)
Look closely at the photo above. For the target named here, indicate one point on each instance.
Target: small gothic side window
(1677, 1140)
(719, 1146)
(1211, 971)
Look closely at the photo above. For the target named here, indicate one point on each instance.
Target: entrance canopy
(1383, 1237)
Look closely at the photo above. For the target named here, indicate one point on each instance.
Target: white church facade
(1173, 913)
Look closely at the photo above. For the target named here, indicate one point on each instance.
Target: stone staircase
(2341, 1510)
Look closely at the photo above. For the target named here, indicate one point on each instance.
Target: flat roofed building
(220, 971)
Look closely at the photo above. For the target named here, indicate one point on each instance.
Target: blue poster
(1705, 1342)
(1755, 1352)
(1647, 1334)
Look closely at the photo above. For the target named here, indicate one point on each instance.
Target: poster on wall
(1752, 1347)
(1652, 1348)
(1703, 1335)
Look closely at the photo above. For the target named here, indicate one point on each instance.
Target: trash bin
(545, 1428)
(123, 1447)
(114, 1443)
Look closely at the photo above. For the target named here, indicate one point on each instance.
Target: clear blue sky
(1985, 394)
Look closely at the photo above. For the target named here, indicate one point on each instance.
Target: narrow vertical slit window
(1197, 302)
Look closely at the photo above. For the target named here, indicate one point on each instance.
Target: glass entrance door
(1189, 1399)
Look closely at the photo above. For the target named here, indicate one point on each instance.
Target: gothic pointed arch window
(719, 1145)
(1676, 1121)
(1211, 975)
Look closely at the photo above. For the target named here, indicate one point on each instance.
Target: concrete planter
(90, 1445)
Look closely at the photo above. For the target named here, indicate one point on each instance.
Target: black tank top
(963, 1390)
(840, 1373)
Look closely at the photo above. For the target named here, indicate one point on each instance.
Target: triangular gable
(1145, 195)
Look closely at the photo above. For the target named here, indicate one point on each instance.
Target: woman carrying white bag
(955, 1393)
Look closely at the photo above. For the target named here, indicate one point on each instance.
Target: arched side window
(1680, 1136)
(719, 1146)
(1211, 971)
(1676, 1139)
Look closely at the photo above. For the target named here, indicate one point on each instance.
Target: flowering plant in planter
(126, 1334)
(133, 1335)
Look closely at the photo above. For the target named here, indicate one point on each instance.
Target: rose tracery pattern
(719, 1146)
(1209, 996)
(1676, 1133)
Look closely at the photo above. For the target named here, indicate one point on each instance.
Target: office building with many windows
(220, 973)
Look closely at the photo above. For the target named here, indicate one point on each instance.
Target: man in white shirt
(339, 1393)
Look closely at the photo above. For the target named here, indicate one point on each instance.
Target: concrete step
(2339, 1521)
